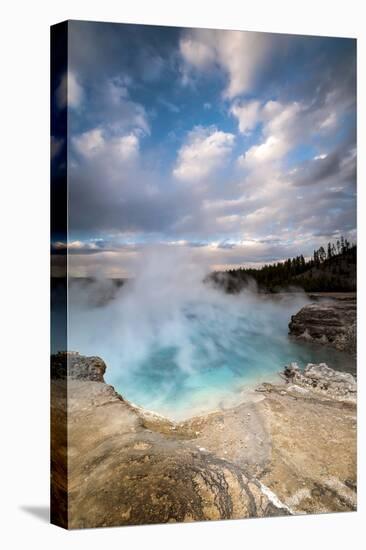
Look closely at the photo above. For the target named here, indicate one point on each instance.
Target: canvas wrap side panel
(59, 468)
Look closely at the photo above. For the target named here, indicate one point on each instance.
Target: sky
(238, 147)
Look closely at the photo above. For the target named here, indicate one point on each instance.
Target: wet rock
(125, 468)
(320, 377)
(271, 455)
(77, 367)
(332, 323)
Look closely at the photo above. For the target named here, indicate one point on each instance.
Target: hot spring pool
(160, 385)
(179, 353)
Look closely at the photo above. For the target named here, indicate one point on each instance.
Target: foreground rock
(332, 322)
(288, 448)
(321, 378)
(127, 468)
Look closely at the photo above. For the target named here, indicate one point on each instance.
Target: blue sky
(236, 146)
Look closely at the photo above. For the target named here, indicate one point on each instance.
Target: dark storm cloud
(141, 51)
(130, 201)
(317, 170)
(316, 70)
(338, 166)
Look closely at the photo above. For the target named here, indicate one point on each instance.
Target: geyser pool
(224, 357)
(178, 347)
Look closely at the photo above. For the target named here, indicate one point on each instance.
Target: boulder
(335, 384)
(332, 323)
(74, 366)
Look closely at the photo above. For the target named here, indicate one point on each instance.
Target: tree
(322, 254)
(298, 272)
(342, 244)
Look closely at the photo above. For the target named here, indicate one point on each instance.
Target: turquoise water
(225, 355)
(181, 352)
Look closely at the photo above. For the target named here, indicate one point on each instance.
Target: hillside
(331, 271)
(335, 274)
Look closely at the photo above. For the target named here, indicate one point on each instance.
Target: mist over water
(178, 346)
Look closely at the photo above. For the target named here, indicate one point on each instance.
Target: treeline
(341, 247)
(330, 269)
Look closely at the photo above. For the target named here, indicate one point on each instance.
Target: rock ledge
(265, 457)
(321, 378)
(332, 322)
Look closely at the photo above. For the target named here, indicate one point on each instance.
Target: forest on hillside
(330, 269)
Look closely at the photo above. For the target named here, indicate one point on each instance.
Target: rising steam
(171, 341)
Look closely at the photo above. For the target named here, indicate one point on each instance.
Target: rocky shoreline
(271, 455)
(331, 322)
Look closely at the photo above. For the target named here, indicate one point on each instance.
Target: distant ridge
(329, 270)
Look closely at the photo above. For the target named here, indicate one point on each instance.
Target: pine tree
(322, 254)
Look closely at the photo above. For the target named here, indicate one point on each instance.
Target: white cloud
(196, 52)
(89, 143)
(239, 54)
(281, 130)
(117, 109)
(282, 117)
(205, 151)
(116, 90)
(127, 146)
(75, 92)
(272, 149)
(284, 127)
(248, 115)
(329, 122)
(69, 93)
(94, 142)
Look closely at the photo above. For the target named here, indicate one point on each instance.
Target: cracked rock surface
(287, 448)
